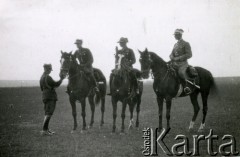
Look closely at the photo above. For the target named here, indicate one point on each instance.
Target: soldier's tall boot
(187, 88)
(95, 85)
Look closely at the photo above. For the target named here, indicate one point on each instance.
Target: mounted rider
(85, 58)
(128, 56)
(180, 54)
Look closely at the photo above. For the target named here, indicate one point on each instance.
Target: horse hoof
(201, 128)
(122, 133)
(159, 130)
(113, 132)
(73, 131)
(113, 129)
(83, 131)
(190, 129)
(90, 127)
(130, 127)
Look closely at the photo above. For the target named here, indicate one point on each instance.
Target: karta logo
(152, 142)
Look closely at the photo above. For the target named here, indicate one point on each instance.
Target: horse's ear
(71, 53)
(140, 52)
(146, 50)
(61, 52)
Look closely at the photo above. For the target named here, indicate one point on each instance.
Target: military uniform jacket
(128, 55)
(181, 52)
(85, 57)
(48, 85)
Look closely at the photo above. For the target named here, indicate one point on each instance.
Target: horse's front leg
(168, 107)
(74, 113)
(114, 105)
(102, 111)
(92, 106)
(160, 110)
(124, 105)
(131, 108)
(83, 104)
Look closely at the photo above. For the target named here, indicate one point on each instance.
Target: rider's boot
(187, 89)
(94, 82)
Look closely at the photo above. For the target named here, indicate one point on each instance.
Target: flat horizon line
(107, 79)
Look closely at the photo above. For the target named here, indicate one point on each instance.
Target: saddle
(192, 80)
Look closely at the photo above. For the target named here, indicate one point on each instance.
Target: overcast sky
(34, 31)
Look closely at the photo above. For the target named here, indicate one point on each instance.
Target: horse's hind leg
(138, 110)
(102, 110)
(92, 106)
(204, 110)
(194, 97)
(168, 107)
(74, 114)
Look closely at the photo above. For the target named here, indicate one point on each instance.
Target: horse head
(65, 61)
(145, 61)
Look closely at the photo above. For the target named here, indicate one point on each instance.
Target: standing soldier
(49, 96)
(129, 58)
(180, 54)
(85, 59)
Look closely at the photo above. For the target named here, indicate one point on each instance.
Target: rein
(169, 70)
(75, 75)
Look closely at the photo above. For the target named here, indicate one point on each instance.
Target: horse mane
(157, 59)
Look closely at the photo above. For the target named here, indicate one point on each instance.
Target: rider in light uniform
(180, 54)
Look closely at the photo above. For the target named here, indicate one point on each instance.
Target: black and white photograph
(119, 78)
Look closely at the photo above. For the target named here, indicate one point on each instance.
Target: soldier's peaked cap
(123, 40)
(178, 31)
(78, 41)
(47, 66)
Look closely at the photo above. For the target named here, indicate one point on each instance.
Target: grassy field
(21, 115)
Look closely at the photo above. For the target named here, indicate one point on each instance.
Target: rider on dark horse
(180, 54)
(129, 60)
(85, 58)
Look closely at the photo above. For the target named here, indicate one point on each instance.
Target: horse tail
(97, 98)
(101, 93)
(214, 89)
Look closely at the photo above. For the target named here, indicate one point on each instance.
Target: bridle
(65, 70)
(149, 62)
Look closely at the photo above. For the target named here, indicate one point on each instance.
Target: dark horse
(122, 91)
(80, 89)
(166, 86)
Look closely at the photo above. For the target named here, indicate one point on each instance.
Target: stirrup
(187, 90)
(51, 131)
(96, 89)
(137, 91)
